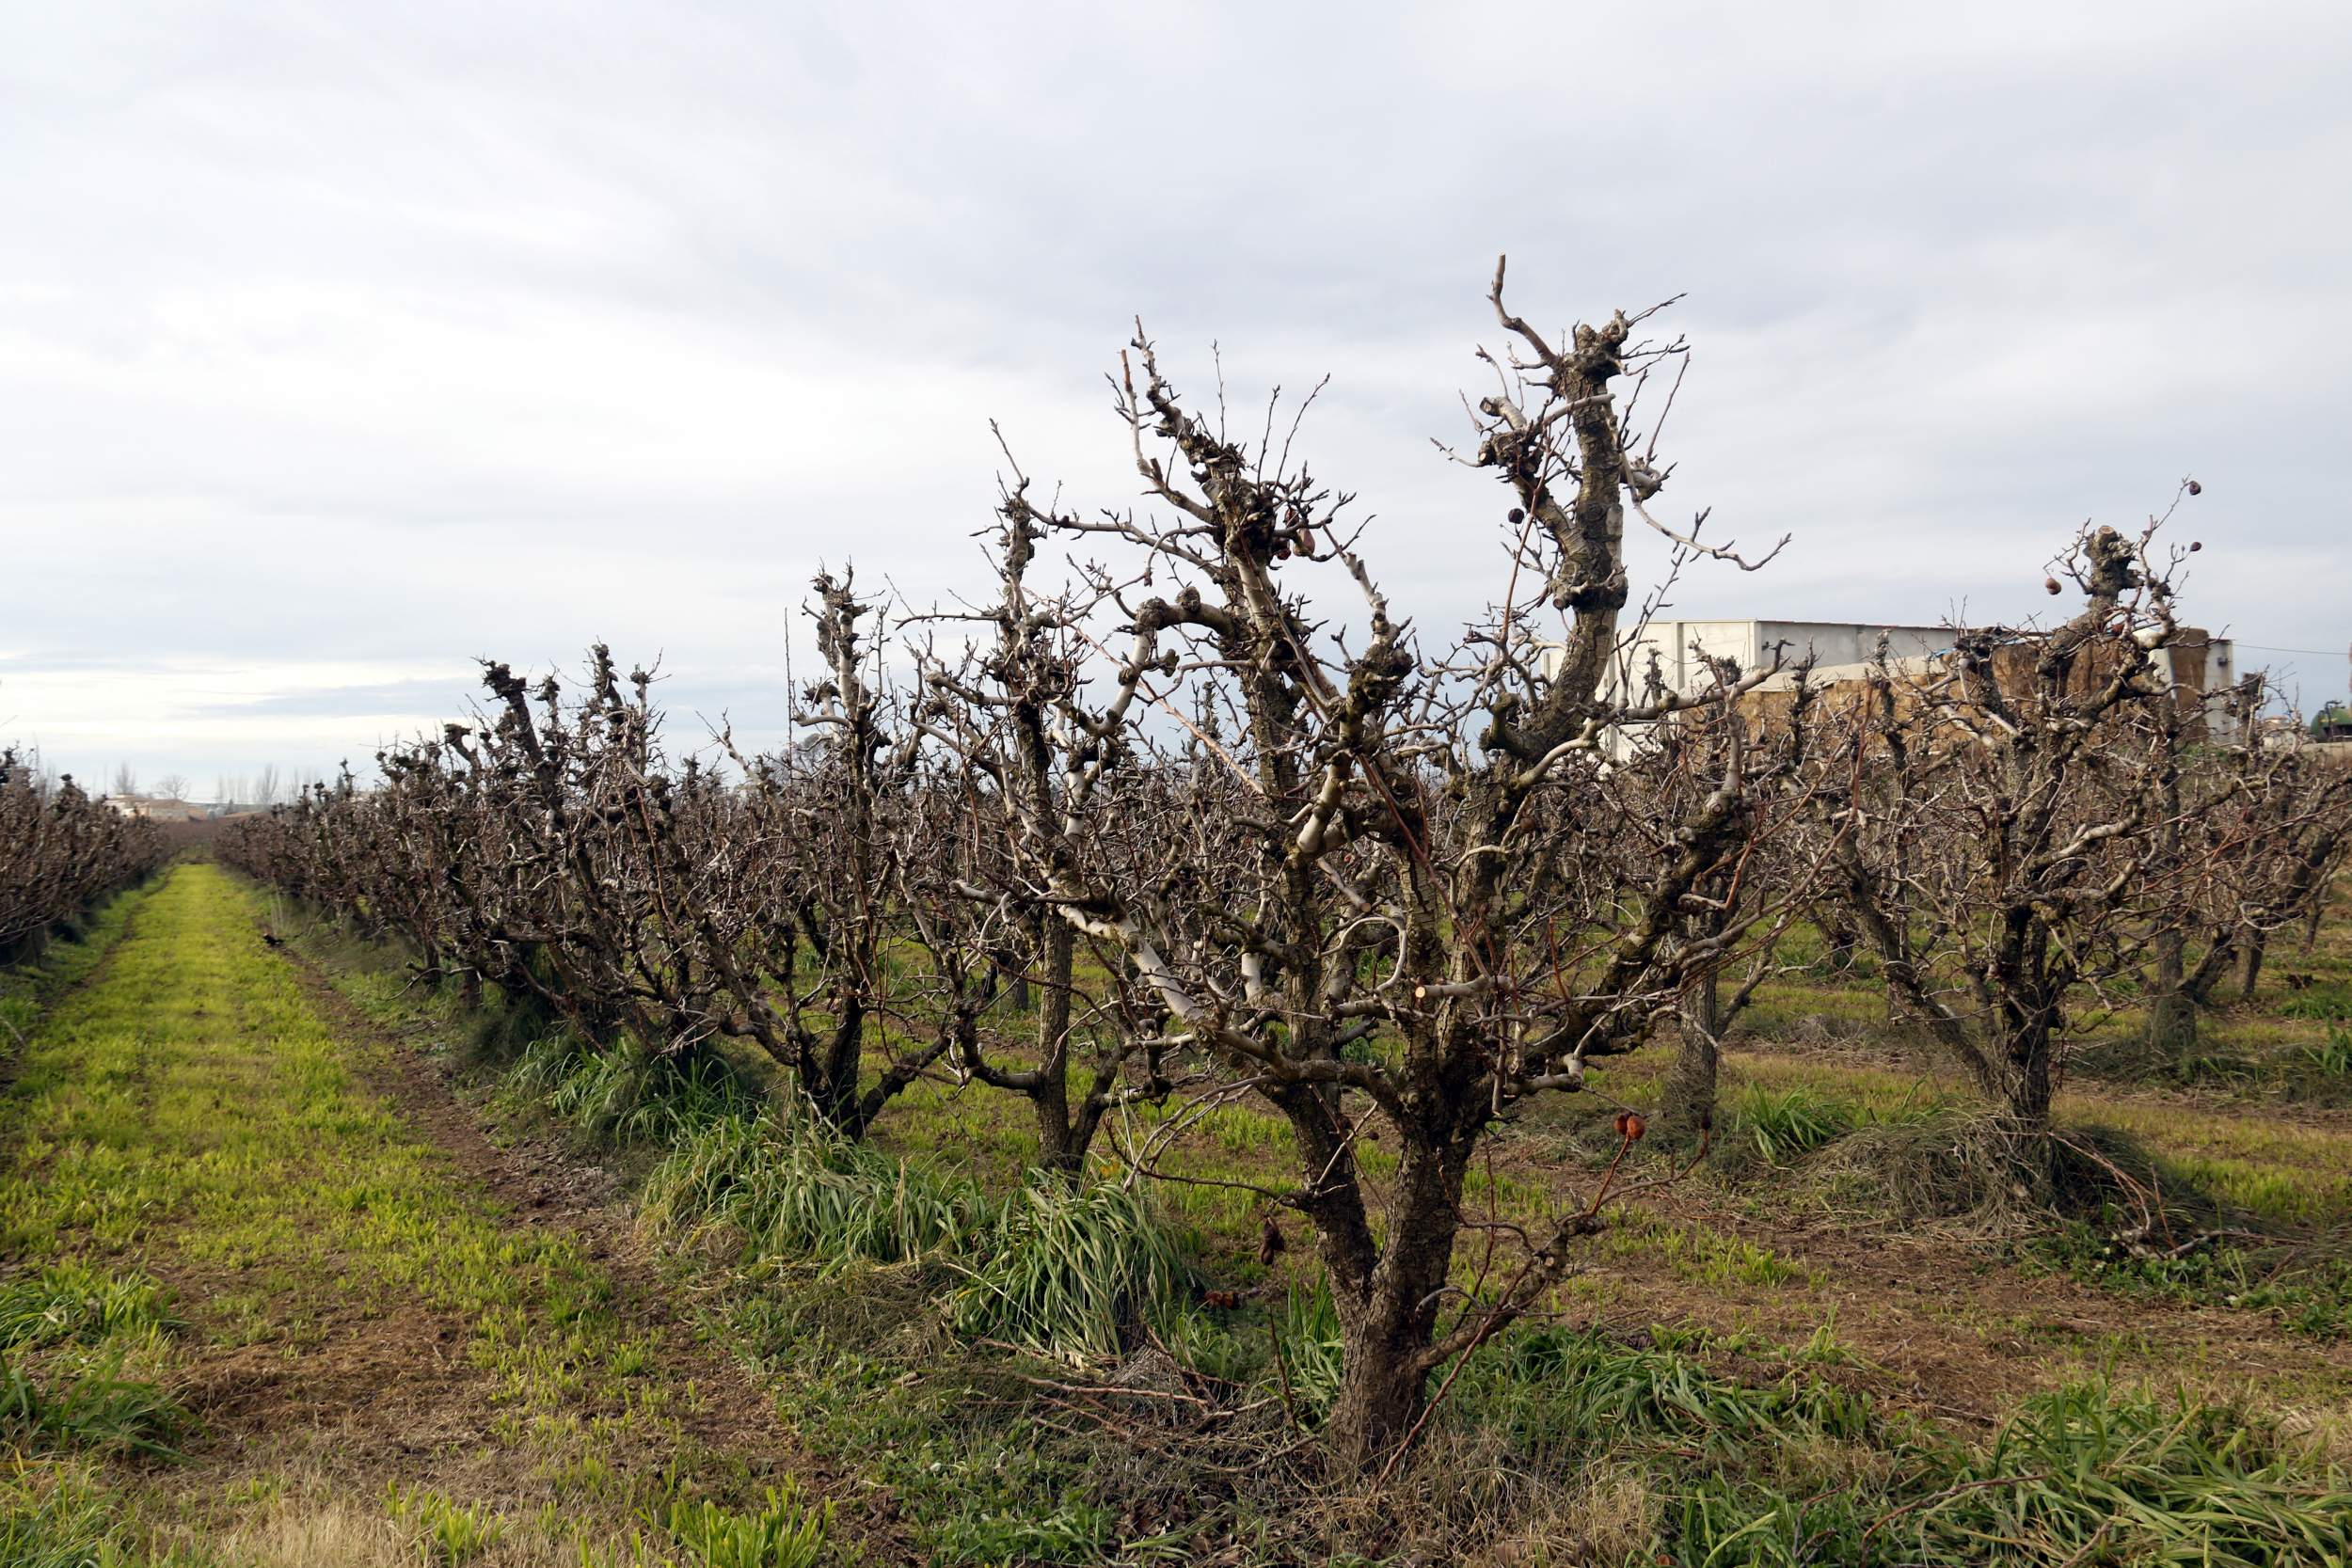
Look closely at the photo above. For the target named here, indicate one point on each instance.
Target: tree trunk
(2026, 1087)
(832, 1087)
(2031, 1080)
(1687, 1106)
(1383, 1391)
(2172, 1029)
(1059, 1148)
(1386, 1324)
(2250, 963)
(2171, 1022)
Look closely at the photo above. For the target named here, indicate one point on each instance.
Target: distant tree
(2018, 846)
(267, 789)
(59, 852)
(172, 787)
(126, 780)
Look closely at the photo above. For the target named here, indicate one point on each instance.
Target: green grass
(1701, 1254)
(89, 1406)
(1072, 1273)
(27, 987)
(186, 1139)
(2331, 1000)
(2310, 1295)
(873, 1285)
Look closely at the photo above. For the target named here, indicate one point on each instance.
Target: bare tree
(1023, 755)
(1384, 889)
(60, 851)
(2014, 840)
(831, 815)
(2264, 826)
(1778, 869)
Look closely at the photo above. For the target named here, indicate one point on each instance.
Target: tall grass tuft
(2089, 1468)
(49, 1520)
(1799, 1471)
(1793, 1122)
(2332, 1059)
(785, 1533)
(1556, 1388)
(71, 1301)
(90, 1408)
(626, 1095)
(792, 1189)
(1306, 1331)
(1073, 1273)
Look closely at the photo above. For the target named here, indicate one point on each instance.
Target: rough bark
(1686, 1106)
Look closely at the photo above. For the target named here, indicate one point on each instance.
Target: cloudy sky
(343, 342)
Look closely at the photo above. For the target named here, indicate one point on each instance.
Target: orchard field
(1165, 1061)
(300, 1274)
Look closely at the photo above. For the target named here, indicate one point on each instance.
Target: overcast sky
(341, 343)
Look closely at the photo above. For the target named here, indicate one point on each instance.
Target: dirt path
(391, 1334)
(1943, 1319)
(1947, 1327)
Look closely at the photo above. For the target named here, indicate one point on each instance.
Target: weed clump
(1952, 1170)
(784, 1532)
(71, 1301)
(790, 1188)
(1073, 1273)
(89, 1407)
(1779, 1127)
(627, 1096)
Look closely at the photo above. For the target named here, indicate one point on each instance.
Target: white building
(1681, 646)
(159, 808)
(1840, 648)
